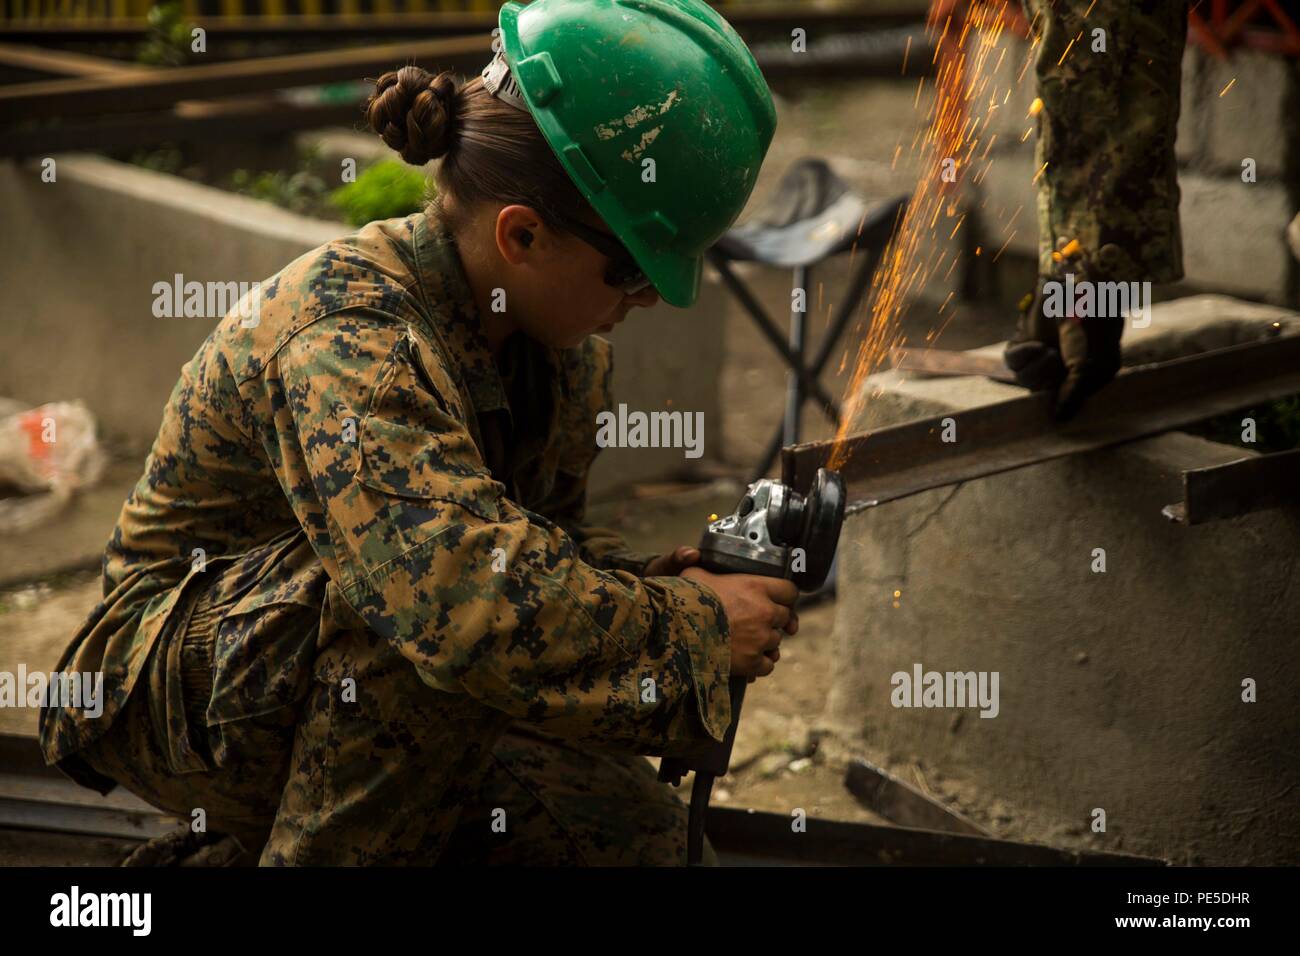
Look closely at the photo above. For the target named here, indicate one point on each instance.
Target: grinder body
(774, 532)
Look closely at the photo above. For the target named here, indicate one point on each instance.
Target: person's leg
(1107, 131)
(545, 801)
(381, 762)
(237, 792)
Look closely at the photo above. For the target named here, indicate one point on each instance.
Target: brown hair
(491, 152)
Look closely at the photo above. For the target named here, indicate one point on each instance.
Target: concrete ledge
(80, 256)
(1120, 689)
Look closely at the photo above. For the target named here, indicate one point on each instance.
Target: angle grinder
(776, 532)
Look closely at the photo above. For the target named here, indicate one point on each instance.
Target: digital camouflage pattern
(369, 531)
(1107, 130)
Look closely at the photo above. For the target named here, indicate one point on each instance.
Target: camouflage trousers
(1110, 83)
(366, 778)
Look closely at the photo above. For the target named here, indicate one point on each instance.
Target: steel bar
(905, 459)
(756, 838)
(946, 362)
(1238, 488)
(901, 803)
(161, 89)
(34, 796)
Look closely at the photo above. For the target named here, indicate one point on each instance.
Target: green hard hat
(612, 83)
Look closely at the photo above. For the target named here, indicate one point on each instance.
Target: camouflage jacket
(363, 414)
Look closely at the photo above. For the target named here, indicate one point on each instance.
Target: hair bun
(414, 112)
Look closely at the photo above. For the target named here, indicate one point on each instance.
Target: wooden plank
(945, 362)
(61, 62)
(188, 123)
(902, 460)
(164, 88)
(745, 18)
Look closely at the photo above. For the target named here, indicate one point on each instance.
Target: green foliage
(165, 159)
(386, 190)
(300, 191)
(1277, 426)
(167, 42)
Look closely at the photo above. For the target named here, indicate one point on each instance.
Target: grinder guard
(772, 521)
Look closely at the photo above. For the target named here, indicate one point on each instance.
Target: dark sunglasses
(622, 272)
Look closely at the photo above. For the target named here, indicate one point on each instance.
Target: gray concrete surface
(1118, 690)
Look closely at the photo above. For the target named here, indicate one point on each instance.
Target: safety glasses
(622, 272)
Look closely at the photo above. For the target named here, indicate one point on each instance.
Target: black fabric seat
(811, 216)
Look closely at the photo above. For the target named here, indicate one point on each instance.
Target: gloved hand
(1072, 355)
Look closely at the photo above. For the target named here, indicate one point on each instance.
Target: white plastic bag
(48, 452)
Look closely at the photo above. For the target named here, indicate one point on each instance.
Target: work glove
(1073, 355)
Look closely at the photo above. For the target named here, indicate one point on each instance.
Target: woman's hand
(760, 612)
(673, 563)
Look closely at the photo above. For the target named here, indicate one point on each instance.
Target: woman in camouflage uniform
(352, 611)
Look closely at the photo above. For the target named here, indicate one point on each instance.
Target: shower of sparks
(969, 54)
(1228, 87)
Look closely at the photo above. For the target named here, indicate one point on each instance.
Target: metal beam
(905, 459)
(1238, 488)
(743, 837)
(901, 803)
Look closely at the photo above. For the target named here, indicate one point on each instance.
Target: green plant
(1277, 426)
(386, 190)
(164, 159)
(167, 42)
(300, 191)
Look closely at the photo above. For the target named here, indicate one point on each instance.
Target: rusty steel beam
(945, 362)
(1238, 488)
(902, 460)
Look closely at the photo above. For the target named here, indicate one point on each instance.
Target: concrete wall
(79, 257)
(1118, 690)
